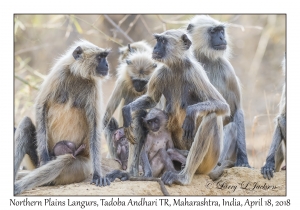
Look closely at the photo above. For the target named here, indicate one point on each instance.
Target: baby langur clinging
(276, 156)
(133, 76)
(210, 46)
(66, 147)
(121, 147)
(67, 108)
(141, 46)
(158, 152)
(194, 106)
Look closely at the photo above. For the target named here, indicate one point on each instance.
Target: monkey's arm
(143, 102)
(146, 163)
(268, 169)
(95, 146)
(113, 103)
(41, 133)
(46, 93)
(234, 92)
(147, 101)
(242, 159)
(220, 107)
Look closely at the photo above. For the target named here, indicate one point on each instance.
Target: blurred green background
(258, 44)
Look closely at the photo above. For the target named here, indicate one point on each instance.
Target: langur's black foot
(171, 177)
(123, 176)
(268, 170)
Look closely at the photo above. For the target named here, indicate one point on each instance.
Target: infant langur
(66, 147)
(121, 147)
(159, 153)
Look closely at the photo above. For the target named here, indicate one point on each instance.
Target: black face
(102, 68)
(159, 50)
(139, 85)
(218, 40)
(153, 124)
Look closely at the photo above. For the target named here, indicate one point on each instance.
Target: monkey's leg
(140, 134)
(146, 164)
(25, 143)
(282, 124)
(268, 169)
(41, 133)
(44, 174)
(279, 157)
(229, 152)
(95, 146)
(204, 153)
(108, 132)
(161, 162)
(242, 158)
(79, 150)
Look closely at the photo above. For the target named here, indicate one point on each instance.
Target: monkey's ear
(77, 52)
(186, 41)
(156, 36)
(128, 62)
(154, 65)
(190, 28)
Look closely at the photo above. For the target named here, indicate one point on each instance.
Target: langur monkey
(133, 76)
(158, 152)
(194, 106)
(275, 156)
(67, 110)
(210, 47)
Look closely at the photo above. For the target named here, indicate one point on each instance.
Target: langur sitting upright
(67, 111)
(210, 47)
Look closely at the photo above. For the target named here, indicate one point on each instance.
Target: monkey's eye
(100, 57)
(149, 122)
(222, 31)
(155, 120)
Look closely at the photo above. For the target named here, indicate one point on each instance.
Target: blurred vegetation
(258, 43)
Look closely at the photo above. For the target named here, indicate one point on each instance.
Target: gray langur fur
(133, 76)
(159, 152)
(276, 154)
(194, 106)
(68, 107)
(140, 46)
(210, 47)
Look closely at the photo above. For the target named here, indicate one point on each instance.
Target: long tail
(43, 175)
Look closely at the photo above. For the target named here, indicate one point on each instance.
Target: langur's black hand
(188, 128)
(100, 180)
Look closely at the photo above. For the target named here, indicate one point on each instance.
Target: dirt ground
(234, 181)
